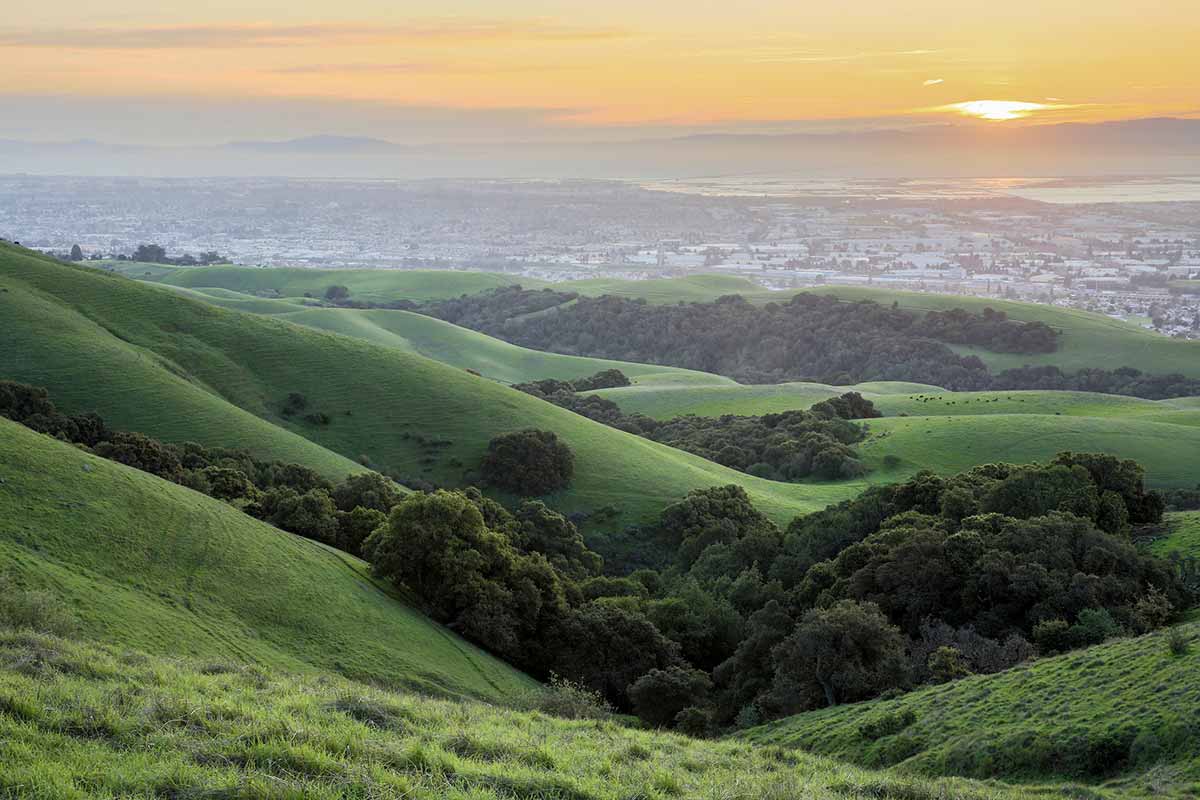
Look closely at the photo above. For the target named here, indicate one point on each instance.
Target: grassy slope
(1181, 536)
(460, 347)
(161, 568)
(948, 432)
(89, 364)
(1000, 725)
(1088, 340)
(364, 284)
(86, 721)
(176, 348)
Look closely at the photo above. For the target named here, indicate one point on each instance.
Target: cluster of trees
(289, 496)
(788, 446)
(1123, 380)
(918, 583)
(157, 254)
(991, 330)
(528, 463)
(738, 621)
(808, 338)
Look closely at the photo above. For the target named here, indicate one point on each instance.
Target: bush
(528, 463)
(36, 610)
(1052, 635)
(1178, 642)
(886, 724)
(1094, 626)
(661, 695)
(693, 721)
(567, 699)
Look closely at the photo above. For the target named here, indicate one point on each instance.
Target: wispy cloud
(244, 35)
(812, 57)
(933, 82)
(407, 68)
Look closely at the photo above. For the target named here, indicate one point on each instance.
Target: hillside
(460, 347)
(947, 432)
(149, 360)
(1088, 340)
(1123, 710)
(161, 568)
(81, 720)
(378, 285)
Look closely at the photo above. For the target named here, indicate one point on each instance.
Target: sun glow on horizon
(999, 110)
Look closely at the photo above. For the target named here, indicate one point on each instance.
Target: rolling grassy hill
(1124, 708)
(1088, 339)
(1180, 536)
(377, 285)
(493, 358)
(158, 567)
(149, 360)
(947, 432)
(81, 720)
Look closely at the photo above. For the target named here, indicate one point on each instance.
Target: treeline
(918, 583)
(788, 446)
(808, 338)
(739, 621)
(289, 496)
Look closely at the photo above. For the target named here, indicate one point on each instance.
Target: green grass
(147, 359)
(951, 444)
(82, 720)
(460, 347)
(364, 284)
(1180, 535)
(1088, 340)
(1038, 721)
(161, 568)
(948, 432)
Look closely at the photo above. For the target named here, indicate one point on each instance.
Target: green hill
(149, 360)
(87, 721)
(1088, 339)
(460, 347)
(1124, 708)
(379, 285)
(948, 432)
(158, 567)
(1180, 536)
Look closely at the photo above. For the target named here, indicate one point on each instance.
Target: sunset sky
(136, 70)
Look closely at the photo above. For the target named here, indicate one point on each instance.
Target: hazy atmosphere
(626, 401)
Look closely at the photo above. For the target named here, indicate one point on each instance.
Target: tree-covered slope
(149, 564)
(149, 360)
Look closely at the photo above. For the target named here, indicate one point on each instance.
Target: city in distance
(540, 401)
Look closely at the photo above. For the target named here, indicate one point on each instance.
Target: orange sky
(626, 64)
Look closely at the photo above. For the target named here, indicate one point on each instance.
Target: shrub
(662, 695)
(567, 699)
(1051, 635)
(887, 724)
(528, 463)
(32, 609)
(1177, 642)
(693, 721)
(1094, 626)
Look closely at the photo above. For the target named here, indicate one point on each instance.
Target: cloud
(821, 58)
(933, 82)
(405, 68)
(245, 35)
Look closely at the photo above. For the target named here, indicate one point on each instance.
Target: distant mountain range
(1141, 146)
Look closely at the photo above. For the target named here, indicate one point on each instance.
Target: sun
(998, 110)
